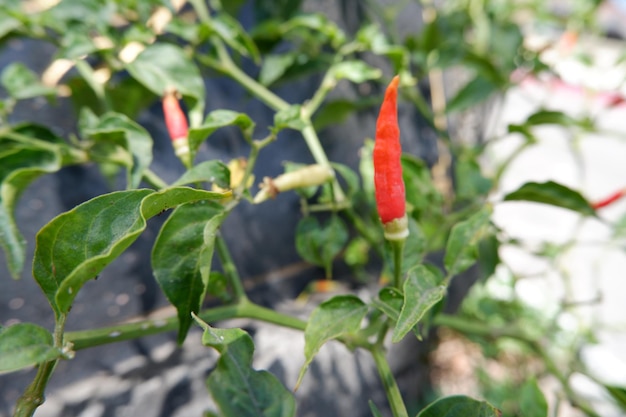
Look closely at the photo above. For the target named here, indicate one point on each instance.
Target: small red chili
(175, 119)
(388, 182)
(177, 126)
(609, 200)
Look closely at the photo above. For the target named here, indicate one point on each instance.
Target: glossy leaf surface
(25, 344)
(237, 388)
(421, 292)
(76, 245)
(462, 246)
(218, 119)
(320, 243)
(181, 257)
(333, 318)
(554, 194)
(115, 128)
(459, 406)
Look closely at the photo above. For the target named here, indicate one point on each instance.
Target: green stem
(256, 147)
(552, 367)
(507, 162)
(250, 310)
(389, 382)
(33, 397)
(71, 155)
(154, 180)
(328, 83)
(397, 246)
(230, 269)
(127, 331)
(228, 67)
(478, 328)
(316, 149)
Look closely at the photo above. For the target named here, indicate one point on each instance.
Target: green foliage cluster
(202, 41)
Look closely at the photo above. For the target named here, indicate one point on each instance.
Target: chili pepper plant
(387, 213)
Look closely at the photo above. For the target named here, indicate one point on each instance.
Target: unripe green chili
(177, 126)
(388, 182)
(304, 177)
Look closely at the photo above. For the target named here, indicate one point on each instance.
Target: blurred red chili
(609, 200)
(388, 182)
(177, 126)
(175, 119)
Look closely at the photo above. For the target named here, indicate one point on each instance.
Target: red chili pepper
(388, 182)
(609, 200)
(177, 126)
(175, 119)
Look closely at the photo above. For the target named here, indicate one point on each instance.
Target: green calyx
(397, 229)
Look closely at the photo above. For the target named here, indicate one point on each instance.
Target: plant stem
(127, 331)
(154, 180)
(389, 382)
(33, 397)
(477, 328)
(316, 149)
(230, 269)
(397, 247)
(256, 147)
(251, 310)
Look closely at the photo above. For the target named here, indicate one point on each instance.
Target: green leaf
(489, 255)
(277, 9)
(338, 316)
(545, 117)
(357, 252)
(115, 128)
(389, 301)
(8, 24)
(375, 411)
(76, 245)
(215, 172)
(554, 194)
(349, 176)
(319, 244)
(532, 403)
(274, 66)
(235, 36)
(19, 166)
(473, 93)
(421, 292)
(289, 118)
(21, 83)
(618, 394)
(422, 195)
(216, 120)
(236, 387)
(462, 246)
(25, 344)
(317, 23)
(182, 255)
(75, 44)
(459, 406)
(356, 71)
(470, 182)
(162, 66)
(334, 113)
